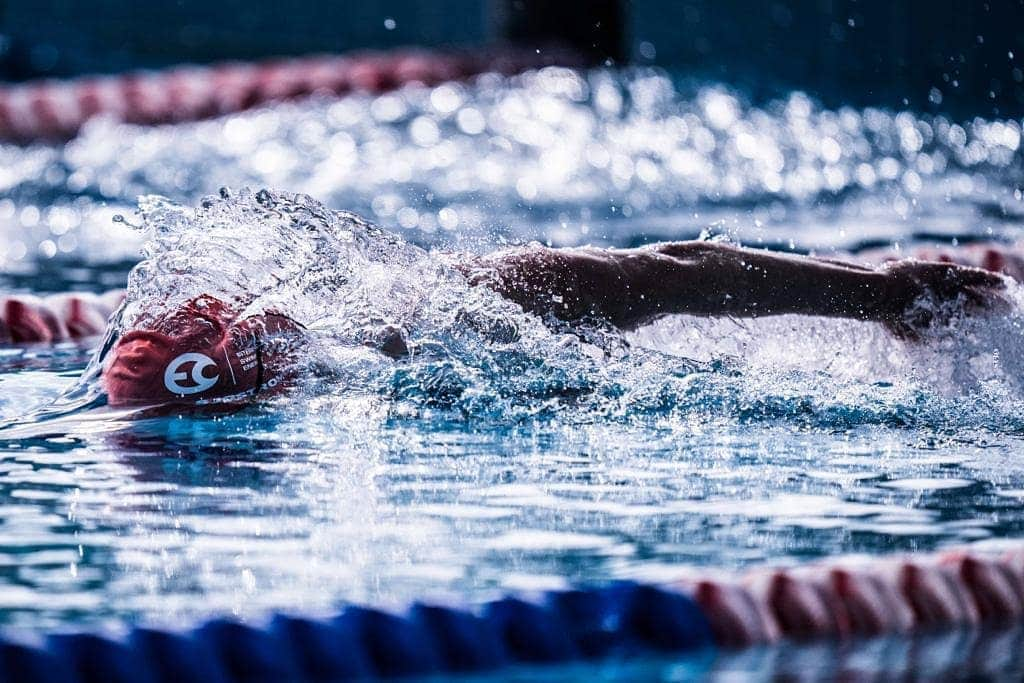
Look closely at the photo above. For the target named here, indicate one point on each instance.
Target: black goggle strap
(259, 359)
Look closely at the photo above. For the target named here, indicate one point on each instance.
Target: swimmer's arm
(631, 287)
(709, 278)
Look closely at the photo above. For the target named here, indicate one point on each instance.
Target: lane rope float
(28, 319)
(57, 109)
(837, 599)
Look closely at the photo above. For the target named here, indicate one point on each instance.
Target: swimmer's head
(200, 353)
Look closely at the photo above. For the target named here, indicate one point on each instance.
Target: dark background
(962, 56)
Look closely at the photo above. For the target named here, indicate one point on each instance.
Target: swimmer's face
(199, 354)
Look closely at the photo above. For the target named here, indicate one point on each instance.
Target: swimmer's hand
(924, 295)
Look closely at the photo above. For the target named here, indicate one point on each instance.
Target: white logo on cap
(173, 378)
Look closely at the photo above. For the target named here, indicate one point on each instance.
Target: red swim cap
(200, 354)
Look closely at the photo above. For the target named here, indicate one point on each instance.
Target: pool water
(480, 467)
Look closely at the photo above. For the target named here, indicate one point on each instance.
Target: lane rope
(29, 319)
(840, 598)
(57, 109)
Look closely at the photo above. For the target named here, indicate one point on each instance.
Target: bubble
(721, 109)
(526, 188)
(446, 98)
(831, 152)
(448, 218)
(470, 121)
(912, 182)
(29, 216)
(866, 175)
(408, 217)
(424, 131)
(386, 205)
(48, 248)
(388, 108)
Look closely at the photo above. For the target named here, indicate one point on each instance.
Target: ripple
(926, 484)
(533, 541)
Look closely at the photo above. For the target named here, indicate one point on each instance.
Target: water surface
(484, 467)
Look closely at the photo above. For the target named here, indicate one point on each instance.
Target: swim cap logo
(173, 376)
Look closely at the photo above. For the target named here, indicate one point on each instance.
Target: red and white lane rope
(846, 597)
(26, 319)
(41, 110)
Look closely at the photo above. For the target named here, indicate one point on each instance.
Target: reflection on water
(996, 655)
(285, 507)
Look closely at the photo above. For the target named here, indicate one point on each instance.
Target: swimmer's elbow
(697, 251)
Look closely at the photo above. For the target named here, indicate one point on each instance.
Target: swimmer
(203, 353)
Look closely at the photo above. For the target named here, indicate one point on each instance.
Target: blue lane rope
(622, 619)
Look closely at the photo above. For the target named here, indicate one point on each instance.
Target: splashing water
(342, 278)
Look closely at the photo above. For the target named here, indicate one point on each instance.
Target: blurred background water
(567, 157)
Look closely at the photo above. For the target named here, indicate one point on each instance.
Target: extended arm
(631, 287)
